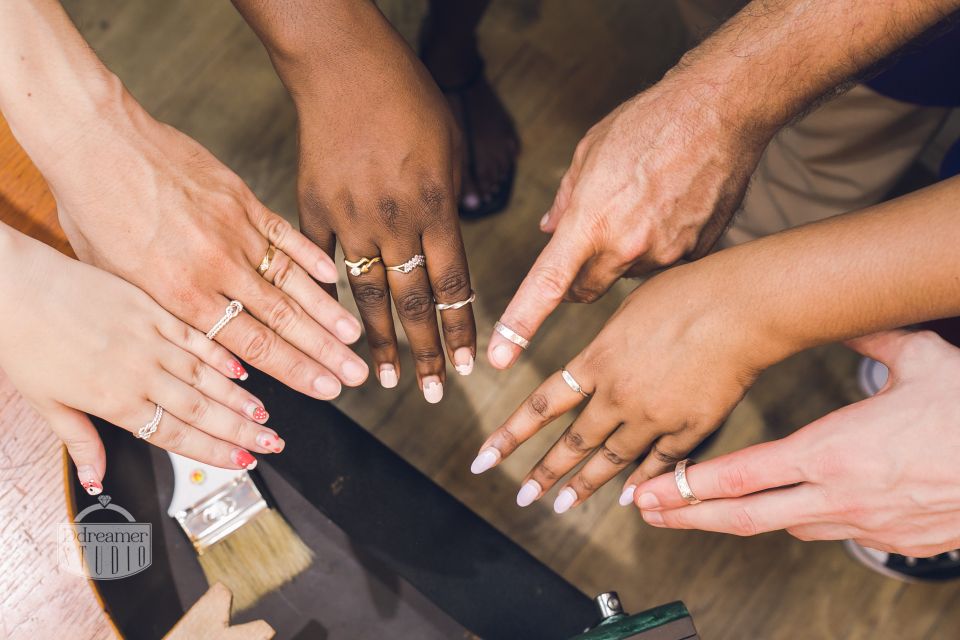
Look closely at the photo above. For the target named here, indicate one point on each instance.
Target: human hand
(663, 373)
(78, 340)
(656, 180)
(379, 171)
(142, 200)
(881, 472)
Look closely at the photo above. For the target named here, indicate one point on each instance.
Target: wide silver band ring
(680, 475)
(415, 262)
(511, 335)
(572, 383)
(150, 428)
(232, 311)
(456, 305)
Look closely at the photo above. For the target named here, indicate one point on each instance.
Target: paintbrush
(240, 541)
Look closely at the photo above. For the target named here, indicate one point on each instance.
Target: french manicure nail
(485, 460)
(627, 496)
(237, 370)
(89, 480)
(353, 371)
(565, 500)
(242, 458)
(544, 220)
(256, 412)
(649, 501)
(270, 441)
(654, 518)
(502, 355)
(529, 492)
(327, 271)
(463, 361)
(327, 387)
(432, 390)
(348, 330)
(388, 376)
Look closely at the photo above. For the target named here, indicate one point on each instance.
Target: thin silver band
(511, 335)
(150, 428)
(680, 475)
(232, 311)
(415, 262)
(573, 384)
(456, 305)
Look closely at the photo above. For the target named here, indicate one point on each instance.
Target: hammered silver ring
(572, 383)
(511, 335)
(680, 475)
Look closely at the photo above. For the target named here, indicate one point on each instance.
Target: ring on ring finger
(232, 311)
(150, 428)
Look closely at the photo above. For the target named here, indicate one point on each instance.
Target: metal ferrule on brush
(221, 513)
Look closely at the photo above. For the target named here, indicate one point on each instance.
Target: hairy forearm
(887, 266)
(774, 58)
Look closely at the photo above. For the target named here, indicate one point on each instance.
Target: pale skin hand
(881, 471)
(77, 340)
(378, 173)
(660, 177)
(142, 200)
(680, 352)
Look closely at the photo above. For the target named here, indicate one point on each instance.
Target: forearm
(775, 57)
(888, 266)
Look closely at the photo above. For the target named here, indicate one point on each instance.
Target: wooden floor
(560, 65)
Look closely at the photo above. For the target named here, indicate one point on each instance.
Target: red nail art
(237, 370)
(244, 459)
(260, 414)
(270, 441)
(93, 488)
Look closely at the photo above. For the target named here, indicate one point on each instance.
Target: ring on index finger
(572, 383)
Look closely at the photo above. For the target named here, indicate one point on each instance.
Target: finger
(561, 202)
(759, 513)
(664, 454)
(824, 531)
(540, 292)
(596, 277)
(173, 434)
(83, 444)
(282, 235)
(209, 351)
(587, 432)
(372, 295)
(265, 350)
(286, 275)
(883, 346)
(549, 401)
(450, 281)
(317, 231)
(757, 468)
(289, 321)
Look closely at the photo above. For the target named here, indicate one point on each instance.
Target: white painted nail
(463, 361)
(388, 376)
(432, 391)
(565, 500)
(485, 460)
(544, 219)
(529, 492)
(502, 355)
(627, 496)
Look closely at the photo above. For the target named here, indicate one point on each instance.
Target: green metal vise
(667, 622)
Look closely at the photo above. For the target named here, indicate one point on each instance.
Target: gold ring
(362, 265)
(267, 259)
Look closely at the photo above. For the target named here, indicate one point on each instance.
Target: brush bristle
(262, 555)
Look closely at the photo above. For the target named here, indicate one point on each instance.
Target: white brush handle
(193, 481)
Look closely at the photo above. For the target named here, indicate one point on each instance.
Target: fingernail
(485, 460)
(353, 371)
(270, 441)
(627, 496)
(242, 458)
(89, 480)
(348, 330)
(649, 501)
(565, 500)
(529, 492)
(502, 355)
(327, 271)
(327, 387)
(237, 370)
(544, 220)
(388, 376)
(256, 412)
(432, 390)
(463, 361)
(654, 518)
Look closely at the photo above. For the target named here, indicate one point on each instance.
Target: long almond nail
(565, 500)
(89, 480)
(485, 460)
(388, 376)
(463, 361)
(243, 458)
(237, 370)
(544, 220)
(270, 441)
(432, 390)
(626, 497)
(529, 492)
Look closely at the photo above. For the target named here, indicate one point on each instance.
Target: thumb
(83, 444)
(561, 202)
(884, 346)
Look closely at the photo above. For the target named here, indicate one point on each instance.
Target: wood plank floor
(560, 65)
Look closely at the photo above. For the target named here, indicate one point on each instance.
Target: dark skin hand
(377, 175)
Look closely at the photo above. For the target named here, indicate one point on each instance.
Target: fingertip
(90, 480)
(501, 355)
(325, 270)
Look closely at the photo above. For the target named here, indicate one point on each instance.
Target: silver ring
(415, 262)
(573, 384)
(456, 305)
(232, 311)
(511, 335)
(680, 475)
(150, 428)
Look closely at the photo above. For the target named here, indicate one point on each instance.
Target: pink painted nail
(270, 441)
(237, 370)
(89, 480)
(243, 459)
(529, 492)
(256, 412)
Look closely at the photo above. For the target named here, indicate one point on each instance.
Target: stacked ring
(441, 306)
(361, 266)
